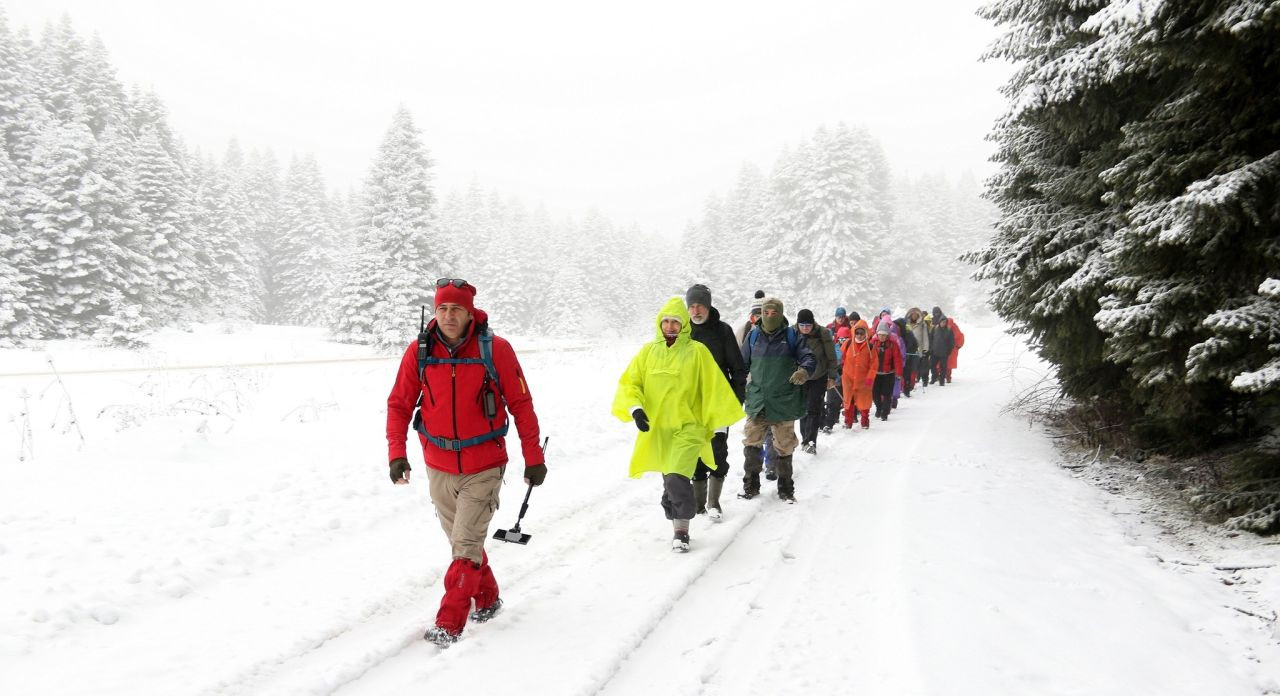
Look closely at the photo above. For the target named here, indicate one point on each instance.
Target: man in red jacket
(463, 381)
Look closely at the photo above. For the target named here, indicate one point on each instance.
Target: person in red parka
(886, 361)
(462, 422)
(957, 344)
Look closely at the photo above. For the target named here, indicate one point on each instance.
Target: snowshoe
(441, 637)
(483, 615)
(680, 542)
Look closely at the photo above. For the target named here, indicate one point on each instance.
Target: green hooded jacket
(685, 395)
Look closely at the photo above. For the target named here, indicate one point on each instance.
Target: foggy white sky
(640, 110)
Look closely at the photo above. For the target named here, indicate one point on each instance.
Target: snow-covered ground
(232, 530)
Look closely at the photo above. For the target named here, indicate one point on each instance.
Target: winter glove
(642, 420)
(800, 376)
(400, 470)
(535, 475)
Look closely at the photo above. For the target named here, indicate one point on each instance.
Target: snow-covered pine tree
(16, 320)
(261, 187)
(831, 221)
(87, 261)
(103, 97)
(306, 264)
(232, 282)
(166, 221)
(743, 257)
(1192, 305)
(509, 276)
(1060, 133)
(399, 254)
(60, 73)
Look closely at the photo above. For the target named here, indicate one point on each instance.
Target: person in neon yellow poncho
(675, 393)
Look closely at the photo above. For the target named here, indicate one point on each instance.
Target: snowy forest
(831, 226)
(113, 228)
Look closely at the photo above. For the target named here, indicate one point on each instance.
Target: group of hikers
(682, 391)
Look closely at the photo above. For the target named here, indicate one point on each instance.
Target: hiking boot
(680, 542)
(483, 615)
(440, 636)
(714, 486)
(771, 476)
(866, 422)
(788, 496)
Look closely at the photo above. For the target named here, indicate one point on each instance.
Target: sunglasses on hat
(455, 282)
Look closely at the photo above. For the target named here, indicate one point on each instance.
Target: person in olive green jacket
(677, 396)
(778, 364)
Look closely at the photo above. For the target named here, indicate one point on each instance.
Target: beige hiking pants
(464, 505)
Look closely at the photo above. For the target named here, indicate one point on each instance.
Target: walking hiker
(941, 343)
(957, 342)
(718, 337)
(857, 377)
(841, 320)
(677, 396)
(820, 343)
(778, 363)
(916, 366)
(463, 380)
(835, 395)
(887, 359)
(753, 318)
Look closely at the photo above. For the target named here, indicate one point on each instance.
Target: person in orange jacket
(957, 344)
(857, 375)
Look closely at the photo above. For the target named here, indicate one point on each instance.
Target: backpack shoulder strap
(485, 339)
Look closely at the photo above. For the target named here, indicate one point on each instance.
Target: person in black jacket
(941, 343)
(719, 338)
(823, 347)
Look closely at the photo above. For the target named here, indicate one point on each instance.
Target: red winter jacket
(453, 407)
(887, 360)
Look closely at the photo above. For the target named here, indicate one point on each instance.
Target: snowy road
(942, 552)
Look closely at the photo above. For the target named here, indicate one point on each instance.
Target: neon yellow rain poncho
(685, 396)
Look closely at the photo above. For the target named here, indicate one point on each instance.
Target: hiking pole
(514, 535)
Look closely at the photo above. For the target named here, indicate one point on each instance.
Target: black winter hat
(698, 294)
(805, 316)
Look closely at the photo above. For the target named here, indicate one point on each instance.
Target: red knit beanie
(464, 296)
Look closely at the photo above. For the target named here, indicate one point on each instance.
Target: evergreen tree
(16, 320)
(263, 193)
(399, 254)
(1060, 134)
(233, 285)
(830, 219)
(162, 196)
(306, 265)
(87, 260)
(1199, 185)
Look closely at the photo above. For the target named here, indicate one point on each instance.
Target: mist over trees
(111, 228)
(832, 226)
(1139, 236)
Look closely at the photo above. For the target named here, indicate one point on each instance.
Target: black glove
(536, 474)
(642, 420)
(399, 470)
